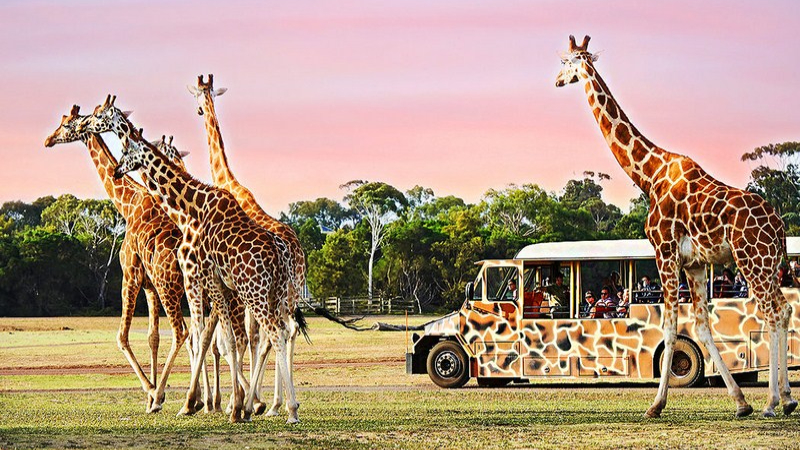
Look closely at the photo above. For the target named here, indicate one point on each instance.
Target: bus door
(491, 324)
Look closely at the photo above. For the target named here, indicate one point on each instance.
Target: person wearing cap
(588, 305)
(559, 293)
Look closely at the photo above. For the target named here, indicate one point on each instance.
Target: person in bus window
(511, 293)
(606, 306)
(622, 307)
(588, 305)
(648, 292)
(740, 285)
(559, 293)
(723, 285)
(613, 282)
(784, 276)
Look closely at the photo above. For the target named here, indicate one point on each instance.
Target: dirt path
(123, 369)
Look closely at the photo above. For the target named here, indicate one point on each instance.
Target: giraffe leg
(789, 404)
(669, 271)
(215, 403)
(154, 340)
(200, 336)
(282, 362)
(264, 347)
(253, 348)
(171, 301)
(697, 280)
(131, 283)
(773, 399)
(292, 404)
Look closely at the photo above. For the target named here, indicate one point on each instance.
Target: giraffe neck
(123, 192)
(181, 196)
(220, 171)
(638, 157)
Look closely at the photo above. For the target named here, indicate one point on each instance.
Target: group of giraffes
(217, 245)
(214, 244)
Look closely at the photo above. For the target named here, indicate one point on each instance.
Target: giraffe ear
(183, 153)
(220, 91)
(192, 89)
(127, 113)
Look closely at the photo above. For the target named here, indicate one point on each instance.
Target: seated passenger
(559, 293)
(606, 306)
(511, 293)
(648, 292)
(588, 305)
(723, 285)
(622, 307)
(740, 285)
(785, 278)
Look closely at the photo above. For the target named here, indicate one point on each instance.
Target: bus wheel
(687, 365)
(493, 382)
(447, 365)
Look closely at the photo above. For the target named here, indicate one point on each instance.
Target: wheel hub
(681, 364)
(447, 364)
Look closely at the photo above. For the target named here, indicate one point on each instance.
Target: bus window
(498, 285)
(556, 282)
(647, 288)
(606, 280)
(727, 283)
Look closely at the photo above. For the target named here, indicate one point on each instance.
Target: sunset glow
(457, 96)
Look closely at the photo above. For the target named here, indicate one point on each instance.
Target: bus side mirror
(469, 291)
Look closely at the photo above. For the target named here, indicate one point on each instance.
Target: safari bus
(536, 316)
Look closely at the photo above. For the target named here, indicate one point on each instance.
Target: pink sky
(458, 96)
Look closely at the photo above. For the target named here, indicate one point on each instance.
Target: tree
(517, 210)
(97, 225)
(310, 235)
(408, 269)
(24, 215)
(337, 268)
(328, 213)
(776, 178)
(631, 225)
(454, 257)
(377, 204)
(586, 194)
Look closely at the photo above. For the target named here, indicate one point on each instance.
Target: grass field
(353, 393)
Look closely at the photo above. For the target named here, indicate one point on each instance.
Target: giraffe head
(205, 92)
(574, 61)
(107, 117)
(68, 131)
(135, 154)
(170, 151)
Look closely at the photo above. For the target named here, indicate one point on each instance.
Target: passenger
(613, 282)
(648, 292)
(740, 285)
(684, 295)
(723, 285)
(559, 293)
(606, 306)
(511, 293)
(784, 277)
(622, 307)
(588, 306)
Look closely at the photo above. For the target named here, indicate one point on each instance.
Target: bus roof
(601, 250)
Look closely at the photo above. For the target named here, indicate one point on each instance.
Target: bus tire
(447, 365)
(687, 364)
(493, 382)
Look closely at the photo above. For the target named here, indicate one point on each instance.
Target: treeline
(58, 256)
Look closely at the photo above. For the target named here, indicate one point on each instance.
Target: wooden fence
(366, 306)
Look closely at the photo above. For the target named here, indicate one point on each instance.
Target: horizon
(460, 98)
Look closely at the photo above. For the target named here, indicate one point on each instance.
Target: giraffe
(231, 255)
(695, 219)
(223, 177)
(148, 258)
(116, 121)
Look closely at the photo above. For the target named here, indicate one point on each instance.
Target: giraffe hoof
(653, 413)
(292, 420)
(237, 418)
(744, 411)
(768, 414)
(154, 408)
(789, 407)
(199, 405)
(247, 416)
(274, 411)
(259, 408)
(186, 411)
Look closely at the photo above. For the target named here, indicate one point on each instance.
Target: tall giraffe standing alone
(148, 257)
(223, 177)
(695, 220)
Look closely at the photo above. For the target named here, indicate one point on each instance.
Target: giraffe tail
(302, 325)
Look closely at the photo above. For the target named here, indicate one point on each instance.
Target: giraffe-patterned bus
(499, 336)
